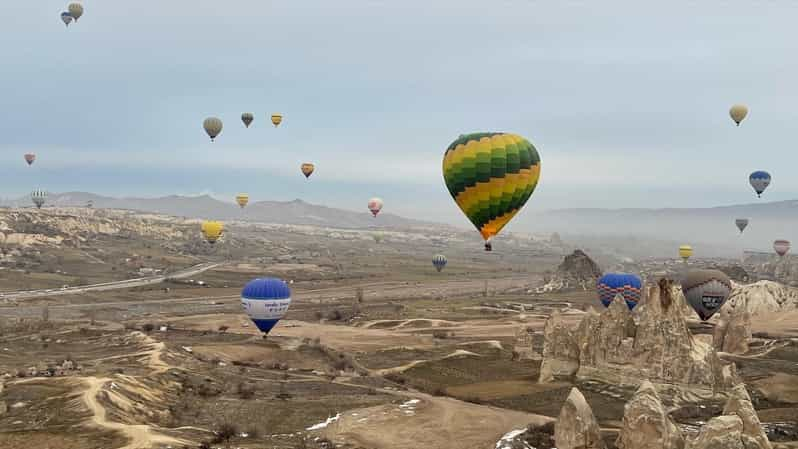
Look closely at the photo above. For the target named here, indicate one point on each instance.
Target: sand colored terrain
(427, 422)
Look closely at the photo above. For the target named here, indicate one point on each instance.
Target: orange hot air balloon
(242, 199)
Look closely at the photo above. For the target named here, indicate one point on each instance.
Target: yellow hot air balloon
(212, 231)
(491, 176)
(738, 113)
(242, 199)
(685, 251)
(307, 169)
(277, 119)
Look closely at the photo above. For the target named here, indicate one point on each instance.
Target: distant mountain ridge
(296, 212)
(712, 225)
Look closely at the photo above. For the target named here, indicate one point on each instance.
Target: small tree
(46, 313)
(223, 328)
(149, 327)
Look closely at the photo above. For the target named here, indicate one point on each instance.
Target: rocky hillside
(296, 212)
(57, 227)
(763, 297)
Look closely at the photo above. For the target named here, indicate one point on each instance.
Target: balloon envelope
(781, 247)
(212, 231)
(242, 199)
(213, 126)
(247, 118)
(277, 119)
(627, 285)
(685, 251)
(491, 176)
(741, 224)
(307, 169)
(266, 301)
(29, 158)
(738, 113)
(75, 10)
(759, 180)
(38, 197)
(706, 291)
(66, 18)
(375, 206)
(439, 261)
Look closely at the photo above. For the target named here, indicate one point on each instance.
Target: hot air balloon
(266, 301)
(75, 10)
(685, 251)
(213, 126)
(741, 224)
(491, 176)
(247, 118)
(66, 18)
(706, 291)
(307, 169)
(277, 119)
(29, 158)
(375, 205)
(781, 247)
(439, 261)
(738, 113)
(212, 231)
(627, 285)
(760, 180)
(38, 197)
(242, 199)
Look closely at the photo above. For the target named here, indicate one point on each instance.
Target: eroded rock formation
(623, 347)
(732, 332)
(646, 424)
(576, 272)
(576, 427)
(763, 297)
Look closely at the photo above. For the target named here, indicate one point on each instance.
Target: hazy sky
(626, 103)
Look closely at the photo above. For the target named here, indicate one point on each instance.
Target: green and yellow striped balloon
(491, 176)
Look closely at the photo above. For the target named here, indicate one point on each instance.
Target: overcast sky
(627, 103)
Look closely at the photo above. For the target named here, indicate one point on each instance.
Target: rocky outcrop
(576, 426)
(763, 297)
(723, 432)
(576, 272)
(739, 405)
(646, 424)
(732, 332)
(58, 227)
(621, 347)
(560, 350)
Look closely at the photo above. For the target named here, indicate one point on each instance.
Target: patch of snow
(506, 442)
(410, 404)
(326, 423)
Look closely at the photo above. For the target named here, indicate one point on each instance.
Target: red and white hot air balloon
(781, 247)
(29, 158)
(375, 205)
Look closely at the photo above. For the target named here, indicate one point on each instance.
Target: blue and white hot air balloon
(266, 301)
(624, 284)
(439, 261)
(760, 180)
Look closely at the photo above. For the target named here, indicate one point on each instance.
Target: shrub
(223, 328)
(226, 431)
(245, 390)
(149, 327)
(439, 334)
